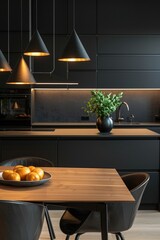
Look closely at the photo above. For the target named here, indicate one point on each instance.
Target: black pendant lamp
(74, 50)
(21, 74)
(4, 66)
(36, 46)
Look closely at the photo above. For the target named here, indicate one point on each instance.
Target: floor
(146, 227)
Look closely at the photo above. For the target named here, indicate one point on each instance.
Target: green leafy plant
(101, 104)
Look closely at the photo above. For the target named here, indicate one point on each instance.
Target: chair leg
(67, 237)
(119, 236)
(49, 224)
(78, 235)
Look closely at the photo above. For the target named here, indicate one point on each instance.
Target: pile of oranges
(23, 173)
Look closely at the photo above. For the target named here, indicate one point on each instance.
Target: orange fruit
(14, 176)
(32, 176)
(23, 171)
(32, 168)
(6, 173)
(16, 167)
(39, 171)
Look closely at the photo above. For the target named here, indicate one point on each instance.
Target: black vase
(104, 124)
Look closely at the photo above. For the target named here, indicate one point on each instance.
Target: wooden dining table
(89, 188)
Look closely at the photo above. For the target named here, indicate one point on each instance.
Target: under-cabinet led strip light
(89, 89)
(56, 84)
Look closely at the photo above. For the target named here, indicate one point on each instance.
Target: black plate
(45, 179)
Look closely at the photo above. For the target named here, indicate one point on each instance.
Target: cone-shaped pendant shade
(4, 66)
(74, 50)
(21, 74)
(15, 105)
(36, 46)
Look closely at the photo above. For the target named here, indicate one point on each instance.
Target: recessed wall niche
(61, 106)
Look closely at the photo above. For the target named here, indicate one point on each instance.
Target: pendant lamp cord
(8, 32)
(21, 24)
(67, 71)
(30, 30)
(74, 14)
(53, 40)
(36, 16)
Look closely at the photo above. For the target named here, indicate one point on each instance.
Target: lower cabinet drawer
(119, 154)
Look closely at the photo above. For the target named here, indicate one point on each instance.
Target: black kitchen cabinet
(125, 150)
(124, 155)
(86, 17)
(120, 154)
(128, 61)
(120, 38)
(124, 17)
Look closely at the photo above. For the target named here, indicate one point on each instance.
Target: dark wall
(121, 37)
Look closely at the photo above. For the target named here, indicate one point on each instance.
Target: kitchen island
(79, 132)
(126, 149)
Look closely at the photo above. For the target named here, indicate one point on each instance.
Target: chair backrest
(20, 220)
(122, 215)
(27, 161)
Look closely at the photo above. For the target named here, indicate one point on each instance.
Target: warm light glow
(4, 65)
(18, 83)
(89, 89)
(74, 59)
(4, 70)
(36, 54)
(65, 83)
(21, 74)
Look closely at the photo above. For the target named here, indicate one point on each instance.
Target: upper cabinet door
(82, 15)
(121, 37)
(86, 17)
(128, 17)
(128, 44)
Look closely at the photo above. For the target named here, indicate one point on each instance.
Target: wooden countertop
(83, 133)
(93, 124)
(113, 133)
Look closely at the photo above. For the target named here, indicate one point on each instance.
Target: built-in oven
(15, 107)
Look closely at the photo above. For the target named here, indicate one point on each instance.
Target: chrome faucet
(119, 117)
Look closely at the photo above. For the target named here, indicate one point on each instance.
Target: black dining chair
(120, 215)
(37, 162)
(21, 220)
(27, 161)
